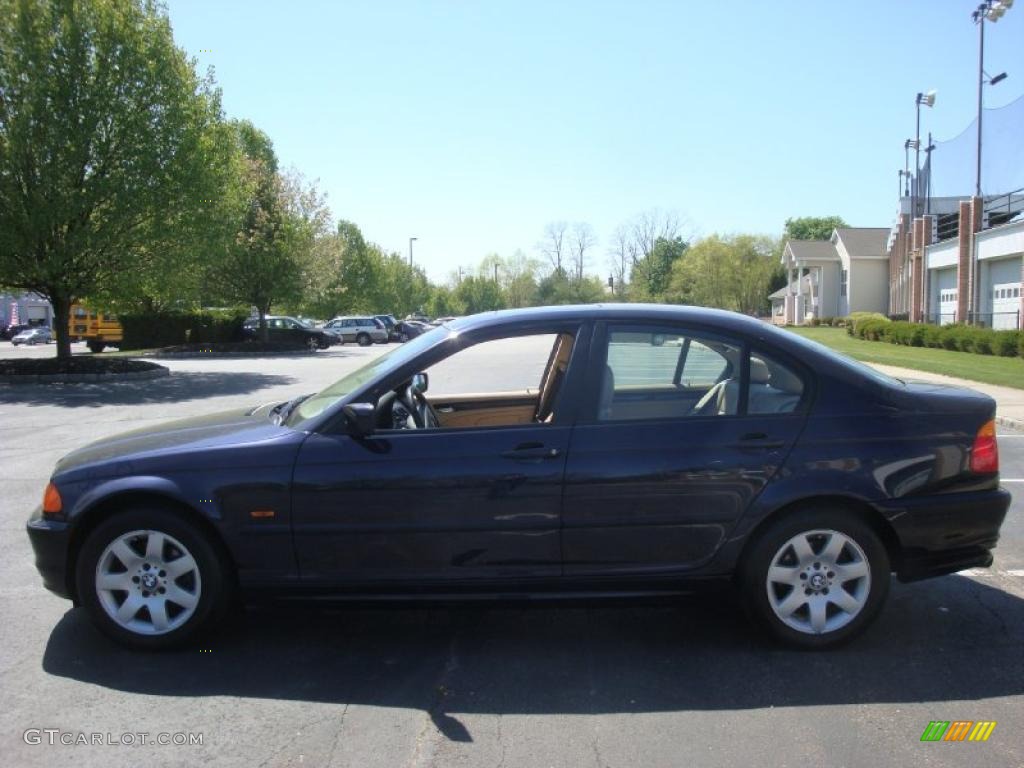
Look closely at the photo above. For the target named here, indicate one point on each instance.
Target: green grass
(1004, 371)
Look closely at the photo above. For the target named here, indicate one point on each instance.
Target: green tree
(812, 227)
(649, 280)
(104, 127)
(734, 272)
(264, 264)
(478, 294)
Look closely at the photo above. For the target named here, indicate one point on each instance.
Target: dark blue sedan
(542, 453)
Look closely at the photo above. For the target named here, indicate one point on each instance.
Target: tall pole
(917, 157)
(981, 83)
(411, 241)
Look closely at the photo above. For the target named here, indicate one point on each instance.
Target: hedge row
(961, 338)
(164, 329)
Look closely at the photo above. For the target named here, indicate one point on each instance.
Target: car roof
(613, 311)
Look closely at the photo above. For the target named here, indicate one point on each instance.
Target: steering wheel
(423, 413)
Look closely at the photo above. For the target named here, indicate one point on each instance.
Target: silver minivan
(361, 329)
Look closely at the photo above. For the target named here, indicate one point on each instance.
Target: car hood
(186, 437)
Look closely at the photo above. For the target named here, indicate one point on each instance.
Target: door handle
(530, 452)
(759, 440)
(445, 409)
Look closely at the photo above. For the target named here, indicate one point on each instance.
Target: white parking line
(1011, 479)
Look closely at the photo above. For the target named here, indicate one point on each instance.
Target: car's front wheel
(312, 344)
(816, 578)
(151, 580)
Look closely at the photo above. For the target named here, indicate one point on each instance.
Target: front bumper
(51, 540)
(945, 533)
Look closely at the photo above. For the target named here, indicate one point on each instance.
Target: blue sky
(469, 125)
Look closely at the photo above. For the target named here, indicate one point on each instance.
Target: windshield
(381, 366)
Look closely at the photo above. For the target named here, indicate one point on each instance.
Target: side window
(774, 387)
(653, 373)
(703, 367)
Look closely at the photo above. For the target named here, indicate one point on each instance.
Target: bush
(814, 322)
(907, 334)
(1007, 343)
(857, 320)
(933, 336)
(143, 330)
(872, 328)
(1020, 344)
(838, 322)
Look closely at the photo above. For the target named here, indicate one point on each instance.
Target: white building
(832, 278)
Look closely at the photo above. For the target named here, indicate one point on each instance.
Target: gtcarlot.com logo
(958, 730)
(55, 736)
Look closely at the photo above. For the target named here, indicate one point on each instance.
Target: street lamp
(992, 10)
(928, 99)
(411, 241)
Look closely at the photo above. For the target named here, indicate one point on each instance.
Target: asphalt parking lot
(684, 684)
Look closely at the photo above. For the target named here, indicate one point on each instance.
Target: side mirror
(362, 418)
(420, 382)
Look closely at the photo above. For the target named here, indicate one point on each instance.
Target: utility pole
(411, 241)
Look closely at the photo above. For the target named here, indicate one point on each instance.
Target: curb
(1007, 421)
(79, 378)
(215, 355)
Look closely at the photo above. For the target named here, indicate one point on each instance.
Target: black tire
(323, 343)
(214, 580)
(863, 552)
(312, 343)
(96, 346)
(364, 340)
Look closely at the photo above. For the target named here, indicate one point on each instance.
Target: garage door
(1005, 306)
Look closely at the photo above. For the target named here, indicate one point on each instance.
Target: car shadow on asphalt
(952, 639)
(180, 386)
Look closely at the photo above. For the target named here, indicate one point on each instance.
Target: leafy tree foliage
(812, 227)
(733, 272)
(104, 129)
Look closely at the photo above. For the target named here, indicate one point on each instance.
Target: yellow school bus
(98, 329)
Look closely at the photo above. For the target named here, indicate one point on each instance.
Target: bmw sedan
(541, 453)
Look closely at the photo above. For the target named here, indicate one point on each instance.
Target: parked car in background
(410, 329)
(38, 334)
(364, 330)
(600, 464)
(13, 330)
(283, 328)
(419, 318)
(391, 324)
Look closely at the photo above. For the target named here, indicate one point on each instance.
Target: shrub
(872, 328)
(143, 330)
(827, 320)
(1007, 343)
(838, 322)
(1020, 344)
(814, 322)
(932, 336)
(858, 319)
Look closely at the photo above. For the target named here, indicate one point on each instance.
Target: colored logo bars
(958, 730)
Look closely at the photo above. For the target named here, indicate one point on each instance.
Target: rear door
(656, 480)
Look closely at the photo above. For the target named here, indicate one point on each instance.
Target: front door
(465, 502)
(669, 460)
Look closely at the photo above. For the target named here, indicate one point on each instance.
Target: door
(448, 504)
(655, 480)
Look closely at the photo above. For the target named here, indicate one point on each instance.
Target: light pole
(928, 99)
(411, 241)
(992, 10)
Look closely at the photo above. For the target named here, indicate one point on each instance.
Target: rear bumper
(945, 533)
(50, 540)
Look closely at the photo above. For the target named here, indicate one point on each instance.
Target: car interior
(702, 380)
(411, 406)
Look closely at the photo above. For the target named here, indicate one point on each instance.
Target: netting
(953, 162)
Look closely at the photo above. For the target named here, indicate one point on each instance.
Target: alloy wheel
(818, 581)
(148, 582)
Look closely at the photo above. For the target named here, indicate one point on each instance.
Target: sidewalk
(1009, 401)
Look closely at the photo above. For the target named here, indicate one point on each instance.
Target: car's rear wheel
(816, 578)
(364, 339)
(151, 580)
(312, 344)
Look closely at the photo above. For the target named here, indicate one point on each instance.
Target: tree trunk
(263, 310)
(61, 319)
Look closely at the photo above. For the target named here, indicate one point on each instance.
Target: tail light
(985, 451)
